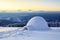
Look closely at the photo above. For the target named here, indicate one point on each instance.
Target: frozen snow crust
(37, 23)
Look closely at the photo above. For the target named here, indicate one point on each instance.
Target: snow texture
(32, 35)
(37, 23)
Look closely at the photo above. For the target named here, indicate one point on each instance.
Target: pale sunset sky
(14, 5)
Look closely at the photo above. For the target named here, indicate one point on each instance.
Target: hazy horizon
(25, 5)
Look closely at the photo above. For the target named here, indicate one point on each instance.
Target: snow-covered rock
(37, 23)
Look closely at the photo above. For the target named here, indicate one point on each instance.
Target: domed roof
(37, 23)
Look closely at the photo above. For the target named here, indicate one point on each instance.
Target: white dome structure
(37, 23)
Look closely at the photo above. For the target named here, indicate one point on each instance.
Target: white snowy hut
(37, 23)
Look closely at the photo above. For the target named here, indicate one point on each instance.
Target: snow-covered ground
(7, 28)
(18, 34)
(36, 29)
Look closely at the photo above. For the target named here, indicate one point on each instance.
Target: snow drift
(37, 23)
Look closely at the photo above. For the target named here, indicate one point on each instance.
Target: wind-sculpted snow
(37, 23)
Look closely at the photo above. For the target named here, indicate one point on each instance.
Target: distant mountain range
(37, 11)
(23, 17)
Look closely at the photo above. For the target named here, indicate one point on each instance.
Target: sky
(14, 5)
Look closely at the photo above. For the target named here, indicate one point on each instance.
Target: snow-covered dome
(37, 23)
